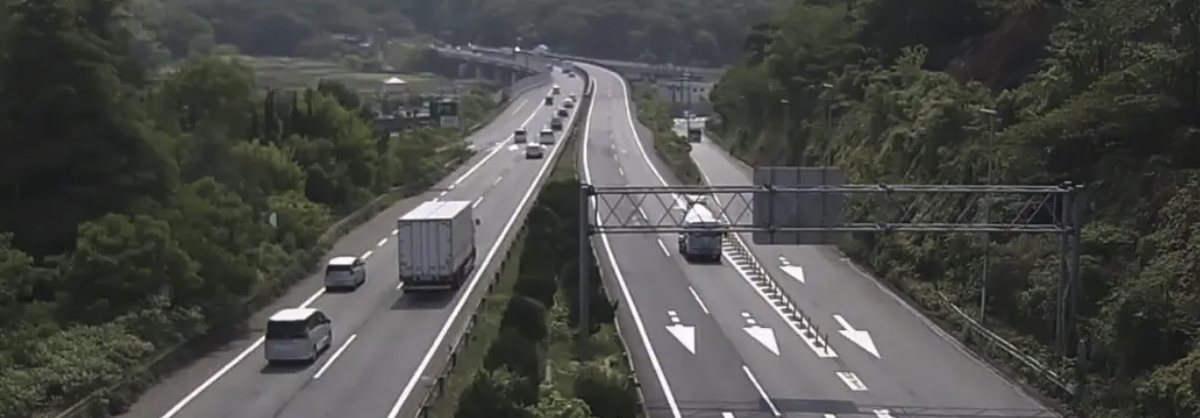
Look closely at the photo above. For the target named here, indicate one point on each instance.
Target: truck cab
(703, 236)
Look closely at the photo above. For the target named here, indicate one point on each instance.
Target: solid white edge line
(761, 392)
(254, 346)
(698, 300)
(462, 301)
(334, 357)
(612, 261)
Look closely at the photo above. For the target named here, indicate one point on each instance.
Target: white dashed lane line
(381, 242)
(367, 255)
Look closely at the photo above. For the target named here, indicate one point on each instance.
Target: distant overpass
(508, 59)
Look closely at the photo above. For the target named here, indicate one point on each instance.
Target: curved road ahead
(386, 344)
(708, 342)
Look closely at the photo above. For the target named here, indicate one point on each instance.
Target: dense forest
(705, 32)
(138, 214)
(1103, 93)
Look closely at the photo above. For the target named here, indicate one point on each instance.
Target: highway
(899, 363)
(387, 346)
(708, 342)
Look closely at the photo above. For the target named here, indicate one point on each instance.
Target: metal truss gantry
(859, 208)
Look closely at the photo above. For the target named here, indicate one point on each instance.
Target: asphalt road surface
(894, 362)
(387, 346)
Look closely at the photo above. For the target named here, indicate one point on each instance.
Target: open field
(293, 73)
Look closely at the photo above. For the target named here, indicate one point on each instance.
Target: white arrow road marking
(862, 338)
(852, 381)
(795, 271)
(763, 335)
(686, 334)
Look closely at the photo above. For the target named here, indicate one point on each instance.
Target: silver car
(345, 273)
(297, 334)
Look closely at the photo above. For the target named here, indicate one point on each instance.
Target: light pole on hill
(987, 213)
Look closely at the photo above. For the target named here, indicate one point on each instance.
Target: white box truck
(436, 241)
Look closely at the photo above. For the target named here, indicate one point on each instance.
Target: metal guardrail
(97, 403)
(437, 388)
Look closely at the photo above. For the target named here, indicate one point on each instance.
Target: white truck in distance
(436, 244)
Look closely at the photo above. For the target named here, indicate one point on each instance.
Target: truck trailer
(436, 244)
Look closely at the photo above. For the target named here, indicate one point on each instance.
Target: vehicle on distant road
(345, 272)
(695, 134)
(436, 245)
(546, 137)
(297, 334)
(556, 124)
(520, 136)
(555, 90)
(569, 103)
(549, 101)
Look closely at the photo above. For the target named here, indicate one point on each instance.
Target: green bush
(606, 389)
(492, 394)
(518, 354)
(527, 316)
(538, 288)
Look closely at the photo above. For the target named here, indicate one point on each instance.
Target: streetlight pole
(827, 158)
(987, 213)
(687, 114)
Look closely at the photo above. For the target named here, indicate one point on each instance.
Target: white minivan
(297, 334)
(546, 137)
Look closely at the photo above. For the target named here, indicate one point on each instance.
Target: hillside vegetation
(1101, 93)
(699, 32)
(137, 216)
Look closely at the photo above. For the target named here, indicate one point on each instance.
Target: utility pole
(687, 113)
(987, 214)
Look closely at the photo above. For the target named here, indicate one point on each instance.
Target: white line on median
(698, 300)
(334, 357)
(761, 392)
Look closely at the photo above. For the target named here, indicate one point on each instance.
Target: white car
(568, 103)
(534, 151)
(346, 272)
(297, 334)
